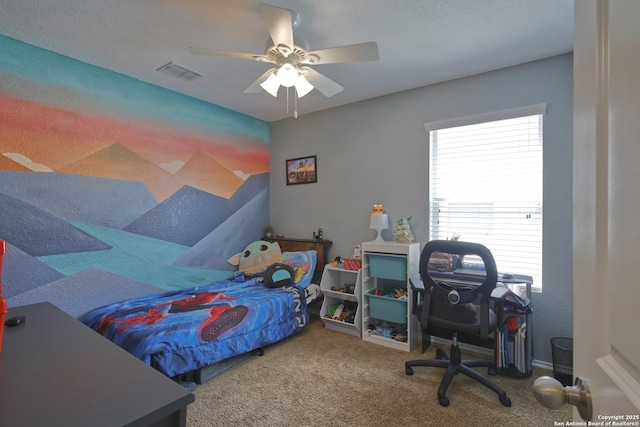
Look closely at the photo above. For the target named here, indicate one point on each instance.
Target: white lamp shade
(303, 86)
(287, 75)
(379, 222)
(271, 85)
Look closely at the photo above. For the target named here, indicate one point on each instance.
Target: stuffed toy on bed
(278, 275)
(257, 257)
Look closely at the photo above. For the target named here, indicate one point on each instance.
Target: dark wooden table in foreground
(55, 371)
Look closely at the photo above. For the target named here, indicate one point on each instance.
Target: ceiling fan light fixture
(271, 85)
(303, 86)
(290, 54)
(287, 75)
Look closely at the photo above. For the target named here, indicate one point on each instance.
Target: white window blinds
(485, 184)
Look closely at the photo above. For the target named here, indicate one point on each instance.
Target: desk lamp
(379, 221)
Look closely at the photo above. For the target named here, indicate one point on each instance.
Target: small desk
(55, 371)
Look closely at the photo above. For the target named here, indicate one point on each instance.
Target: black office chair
(458, 307)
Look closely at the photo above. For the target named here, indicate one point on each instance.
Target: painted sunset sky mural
(112, 187)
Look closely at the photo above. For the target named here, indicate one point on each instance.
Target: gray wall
(376, 152)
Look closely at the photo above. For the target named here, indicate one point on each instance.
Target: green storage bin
(393, 267)
(384, 308)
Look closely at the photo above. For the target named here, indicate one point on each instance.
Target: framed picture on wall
(303, 170)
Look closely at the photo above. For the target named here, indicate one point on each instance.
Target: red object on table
(3, 302)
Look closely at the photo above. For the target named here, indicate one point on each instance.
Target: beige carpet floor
(324, 378)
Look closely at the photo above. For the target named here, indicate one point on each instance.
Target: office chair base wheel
(443, 401)
(408, 371)
(505, 402)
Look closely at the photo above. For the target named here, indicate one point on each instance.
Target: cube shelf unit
(335, 278)
(387, 266)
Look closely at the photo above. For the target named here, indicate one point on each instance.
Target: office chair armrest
(417, 288)
(416, 283)
(424, 313)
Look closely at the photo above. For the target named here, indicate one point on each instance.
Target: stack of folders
(521, 356)
(511, 345)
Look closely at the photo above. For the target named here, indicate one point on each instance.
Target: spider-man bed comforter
(180, 331)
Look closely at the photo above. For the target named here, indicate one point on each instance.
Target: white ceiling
(420, 42)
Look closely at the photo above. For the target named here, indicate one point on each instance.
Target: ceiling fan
(293, 58)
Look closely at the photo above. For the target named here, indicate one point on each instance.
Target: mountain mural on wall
(117, 161)
(50, 248)
(39, 233)
(11, 165)
(213, 251)
(173, 220)
(80, 198)
(22, 272)
(112, 188)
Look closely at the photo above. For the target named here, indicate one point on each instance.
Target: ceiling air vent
(178, 71)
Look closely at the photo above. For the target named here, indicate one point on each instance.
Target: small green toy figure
(402, 231)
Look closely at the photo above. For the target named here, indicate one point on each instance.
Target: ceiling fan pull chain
(295, 104)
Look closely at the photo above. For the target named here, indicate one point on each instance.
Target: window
(485, 184)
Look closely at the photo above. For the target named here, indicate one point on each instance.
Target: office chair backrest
(451, 300)
(459, 294)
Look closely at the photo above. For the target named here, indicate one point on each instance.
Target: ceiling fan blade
(351, 53)
(324, 84)
(279, 23)
(255, 86)
(212, 52)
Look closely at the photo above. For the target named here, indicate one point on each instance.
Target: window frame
(538, 109)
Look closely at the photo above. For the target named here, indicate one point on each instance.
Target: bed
(182, 332)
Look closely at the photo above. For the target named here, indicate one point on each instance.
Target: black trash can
(562, 354)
